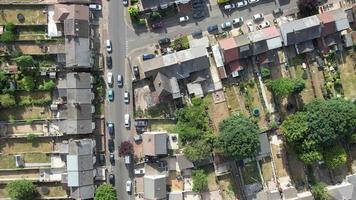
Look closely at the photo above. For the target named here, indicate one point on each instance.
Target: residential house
(179, 64)
(166, 87)
(155, 187)
(154, 143)
(80, 170)
(345, 190)
(183, 163)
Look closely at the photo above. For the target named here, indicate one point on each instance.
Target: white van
(127, 159)
(110, 78)
(127, 120)
(108, 46)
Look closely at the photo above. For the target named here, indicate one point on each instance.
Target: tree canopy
(321, 125)
(335, 157)
(25, 62)
(308, 7)
(47, 85)
(7, 100)
(282, 87)
(239, 137)
(21, 190)
(200, 180)
(27, 83)
(105, 192)
(198, 150)
(126, 148)
(133, 11)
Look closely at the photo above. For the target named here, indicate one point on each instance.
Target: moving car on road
(126, 97)
(241, 4)
(226, 25)
(183, 19)
(238, 21)
(108, 46)
(128, 186)
(111, 95)
(127, 120)
(120, 81)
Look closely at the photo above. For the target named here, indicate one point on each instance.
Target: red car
(157, 25)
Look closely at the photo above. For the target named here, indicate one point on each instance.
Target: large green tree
(25, 62)
(335, 157)
(21, 190)
(239, 137)
(198, 150)
(200, 180)
(27, 83)
(105, 192)
(282, 87)
(295, 127)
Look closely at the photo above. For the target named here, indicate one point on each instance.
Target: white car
(263, 25)
(139, 171)
(108, 46)
(250, 26)
(229, 6)
(110, 78)
(126, 97)
(95, 7)
(258, 17)
(226, 25)
(183, 19)
(238, 21)
(253, 1)
(128, 186)
(241, 4)
(127, 120)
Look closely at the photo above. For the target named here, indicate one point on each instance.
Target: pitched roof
(342, 191)
(163, 85)
(76, 27)
(264, 34)
(70, 127)
(183, 162)
(77, 52)
(78, 80)
(154, 143)
(155, 187)
(73, 11)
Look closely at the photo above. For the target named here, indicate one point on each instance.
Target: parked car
(141, 122)
(112, 179)
(253, 1)
(136, 71)
(128, 186)
(108, 46)
(229, 7)
(139, 171)
(198, 14)
(108, 62)
(125, 2)
(258, 17)
(120, 80)
(250, 26)
(101, 158)
(109, 78)
(183, 19)
(111, 95)
(137, 138)
(241, 4)
(164, 41)
(111, 145)
(226, 25)
(112, 158)
(127, 120)
(277, 12)
(126, 97)
(238, 21)
(110, 126)
(197, 33)
(213, 28)
(96, 7)
(157, 25)
(263, 25)
(148, 56)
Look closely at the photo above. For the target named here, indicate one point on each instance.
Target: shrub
(265, 72)
(31, 137)
(181, 43)
(21, 190)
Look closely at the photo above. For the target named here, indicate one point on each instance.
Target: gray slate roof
(163, 85)
(76, 28)
(77, 52)
(155, 187)
(154, 143)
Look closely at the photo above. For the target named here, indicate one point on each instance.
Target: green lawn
(33, 15)
(266, 168)
(25, 113)
(31, 33)
(348, 76)
(231, 98)
(3, 193)
(228, 185)
(14, 146)
(250, 173)
(8, 161)
(308, 93)
(163, 125)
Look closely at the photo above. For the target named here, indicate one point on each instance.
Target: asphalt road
(116, 110)
(215, 15)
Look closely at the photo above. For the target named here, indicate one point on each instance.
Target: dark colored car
(197, 33)
(164, 41)
(125, 2)
(101, 159)
(198, 14)
(136, 71)
(112, 158)
(277, 12)
(111, 145)
(148, 56)
(112, 179)
(110, 128)
(141, 122)
(157, 25)
(108, 62)
(213, 28)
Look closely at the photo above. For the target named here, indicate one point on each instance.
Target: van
(108, 46)
(127, 120)
(127, 159)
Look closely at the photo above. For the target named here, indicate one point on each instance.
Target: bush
(7, 100)
(47, 85)
(9, 34)
(31, 137)
(181, 43)
(265, 72)
(21, 190)
(133, 11)
(223, 1)
(141, 21)
(200, 180)
(155, 16)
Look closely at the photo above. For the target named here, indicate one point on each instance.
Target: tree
(299, 86)
(133, 11)
(105, 192)
(25, 62)
(198, 150)
(47, 85)
(21, 190)
(295, 128)
(27, 83)
(9, 34)
(335, 157)
(31, 137)
(126, 148)
(200, 180)
(155, 15)
(282, 87)
(265, 72)
(7, 100)
(239, 137)
(319, 191)
(307, 7)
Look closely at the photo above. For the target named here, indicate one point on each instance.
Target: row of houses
(322, 31)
